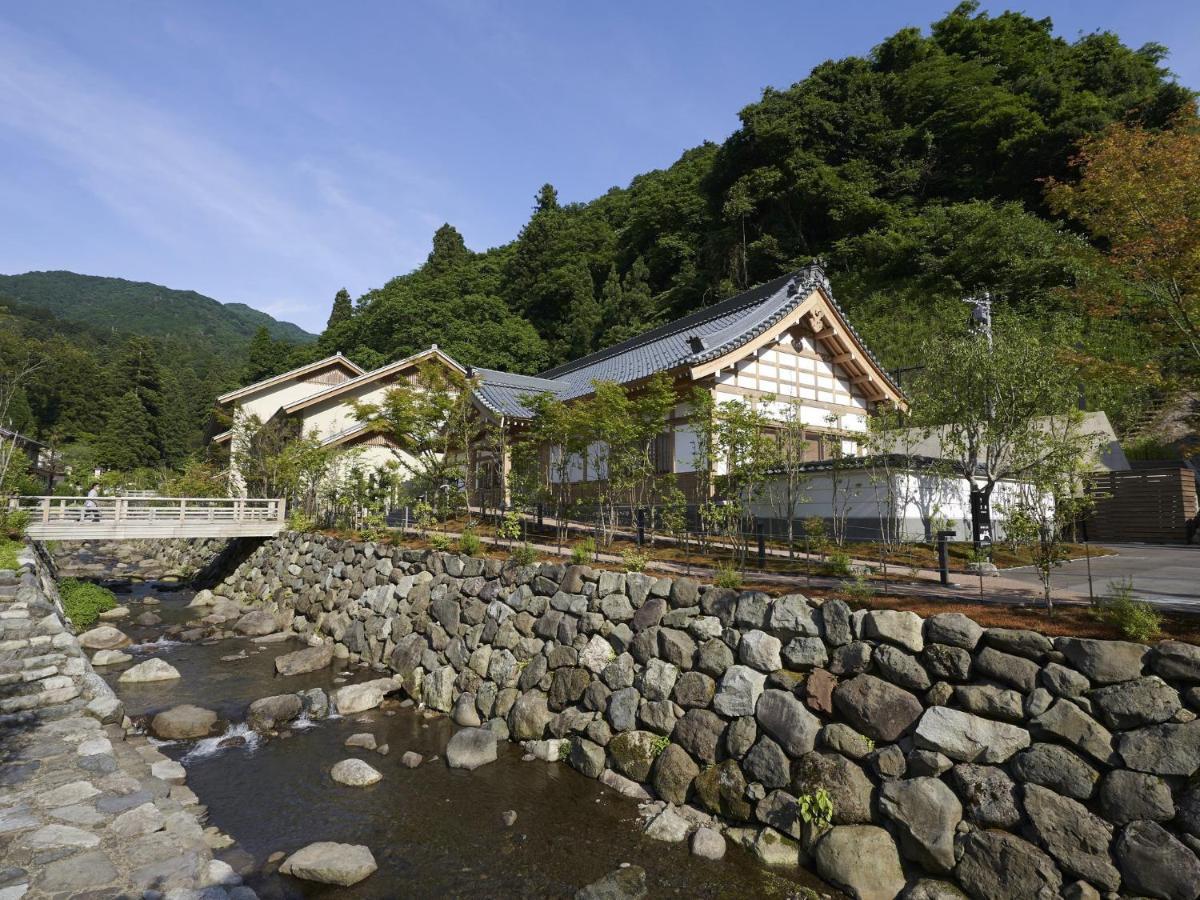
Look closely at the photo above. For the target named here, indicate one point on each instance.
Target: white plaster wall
(687, 445)
(921, 498)
(268, 402)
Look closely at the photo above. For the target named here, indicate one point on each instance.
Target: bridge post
(182, 510)
(45, 509)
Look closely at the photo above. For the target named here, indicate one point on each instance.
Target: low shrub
(633, 560)
(298, 521)
(13, 523)
(8, 553)
(584, 553)
(470, 543)
(374, 527)
(523, 555)
(838, 563)
(858, 588)
(439, 541)
(728, 576)
(1135, 619)
(84, 601)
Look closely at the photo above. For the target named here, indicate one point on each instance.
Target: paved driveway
(1168, 576)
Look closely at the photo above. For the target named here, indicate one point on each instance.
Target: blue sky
(272, 152)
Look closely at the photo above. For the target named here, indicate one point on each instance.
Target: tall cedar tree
(128, 440)
(342, 309)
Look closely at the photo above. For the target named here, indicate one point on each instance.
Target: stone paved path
(85, 810)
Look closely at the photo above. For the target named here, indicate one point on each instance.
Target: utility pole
(981, 513)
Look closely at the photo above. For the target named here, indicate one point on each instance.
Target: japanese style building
(783, 346)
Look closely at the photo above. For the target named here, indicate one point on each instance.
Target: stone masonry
(956, 759)
(84, 810)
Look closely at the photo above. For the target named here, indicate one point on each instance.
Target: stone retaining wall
(956, 758)
(85, 809)
(179, 558)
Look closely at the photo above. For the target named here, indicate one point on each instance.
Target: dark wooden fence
(1148, 505)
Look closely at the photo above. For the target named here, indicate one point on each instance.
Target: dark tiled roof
(503, 392)
(717, 329)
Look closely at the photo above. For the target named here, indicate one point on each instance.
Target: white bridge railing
(105, 518)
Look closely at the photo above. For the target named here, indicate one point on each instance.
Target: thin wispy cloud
(169, 180)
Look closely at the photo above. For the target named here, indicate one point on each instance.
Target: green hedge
(85, 600)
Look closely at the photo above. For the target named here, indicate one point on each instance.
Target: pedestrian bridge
(130, 518)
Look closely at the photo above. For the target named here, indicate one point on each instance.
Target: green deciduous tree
(988, 404)
(429, 421)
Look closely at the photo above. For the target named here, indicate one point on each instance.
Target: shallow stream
(434, 831)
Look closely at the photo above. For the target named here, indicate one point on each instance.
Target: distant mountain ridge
(140, 307)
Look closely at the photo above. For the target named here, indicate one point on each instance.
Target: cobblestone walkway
(85, 811)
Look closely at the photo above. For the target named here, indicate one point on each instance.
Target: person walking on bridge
(91, 509)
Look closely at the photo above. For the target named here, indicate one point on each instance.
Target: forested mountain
(917, 174)
(138, 307)
(133, 395)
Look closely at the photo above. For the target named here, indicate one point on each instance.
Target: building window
(662, 453)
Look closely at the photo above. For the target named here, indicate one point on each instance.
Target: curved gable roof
(704, 335)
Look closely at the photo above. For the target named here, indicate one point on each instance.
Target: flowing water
(434, 831)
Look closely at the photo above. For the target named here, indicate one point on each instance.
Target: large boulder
(968, 738)
(354, 773)
(925, 813)
(881, 711)
(721, 790)
(699, 732)
(151, 670)
(355, 698)
(673, 773)
(1076, 839)
(104, 637)
(954, 629)
(1132, 796)
(1057, 768)
(1176, 661)
(1066, 722)
(633, 753)
(628, 883)
(847, 784)
(1104, 662)
(790, 616)
(862, 860)
(760, 650)
(996, 865)
(529, 716)
(330, 863)
(739, 691)
(989, 796)
(471, 748)
(787, 720)
(1131, 704)
(1155, 863)
(267, 713)
(183, 723)
(900, 627)
(256, 623)
(767, 764)
(1165, 749)
(310, 659)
